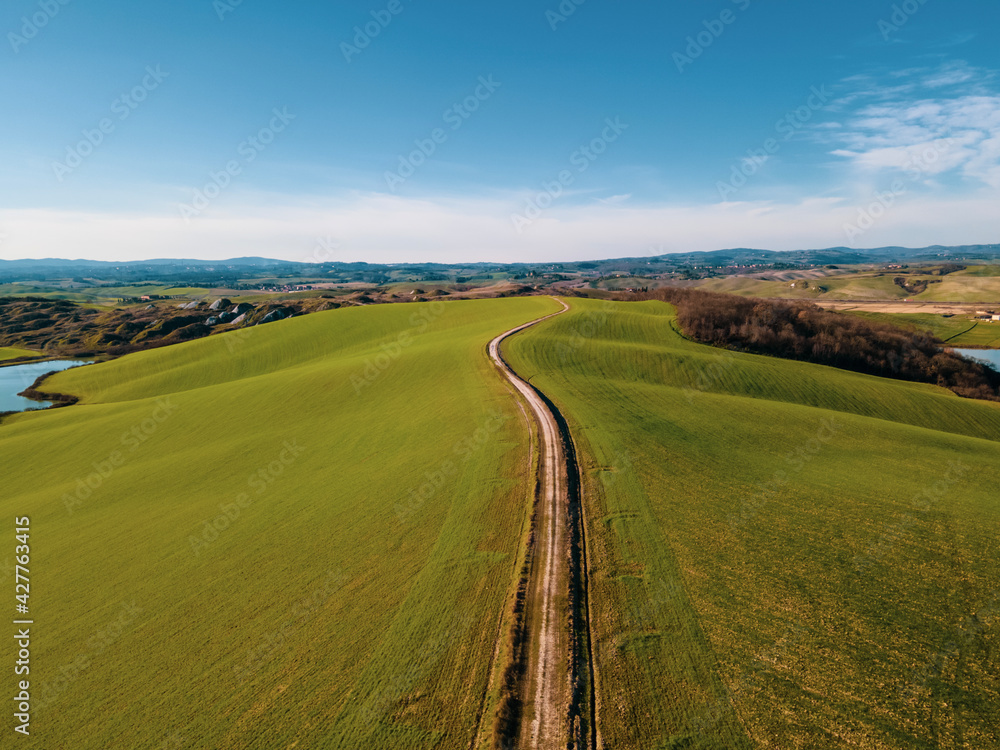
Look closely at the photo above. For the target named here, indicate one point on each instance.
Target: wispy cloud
(385, 228)
(937, 121)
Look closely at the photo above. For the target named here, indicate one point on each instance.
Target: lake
(17, 378)
(992, 356)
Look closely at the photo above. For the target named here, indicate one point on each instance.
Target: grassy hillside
(13, 353)
(783, 555)
(298, 535)
(95, 293)
(974, 284)
(957, 330)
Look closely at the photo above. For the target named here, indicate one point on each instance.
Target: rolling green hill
(974, 284)
(956, 330)
(299, 535)
(13, 353)
(782, 554)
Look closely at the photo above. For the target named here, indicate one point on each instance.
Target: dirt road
(546, 692)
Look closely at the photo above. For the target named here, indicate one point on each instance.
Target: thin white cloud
(615, 200)
(927, 123)
(384, 228)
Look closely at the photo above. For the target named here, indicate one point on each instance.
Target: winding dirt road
(546, 693)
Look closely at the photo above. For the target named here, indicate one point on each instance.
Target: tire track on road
(548, 702)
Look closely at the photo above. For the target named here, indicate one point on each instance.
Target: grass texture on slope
(956, 330)
(13, 353)
(300, 535)
(782, 554)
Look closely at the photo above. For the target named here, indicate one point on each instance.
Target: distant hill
(728, 257)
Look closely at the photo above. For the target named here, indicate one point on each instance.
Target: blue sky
(513, 131)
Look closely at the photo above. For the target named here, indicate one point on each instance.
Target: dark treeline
(803, 331)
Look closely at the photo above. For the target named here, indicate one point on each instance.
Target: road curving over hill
(555, 671)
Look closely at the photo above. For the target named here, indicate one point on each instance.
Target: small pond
(990, 356)
(17, 378)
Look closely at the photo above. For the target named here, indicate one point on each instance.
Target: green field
(974, 284)
(783, 555)
(13, 353)
(98, 294)
(956, 330)
(299, 535)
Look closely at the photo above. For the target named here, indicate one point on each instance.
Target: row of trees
(803, 331)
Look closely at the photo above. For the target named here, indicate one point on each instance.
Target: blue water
(991, 356)
(15, 379)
